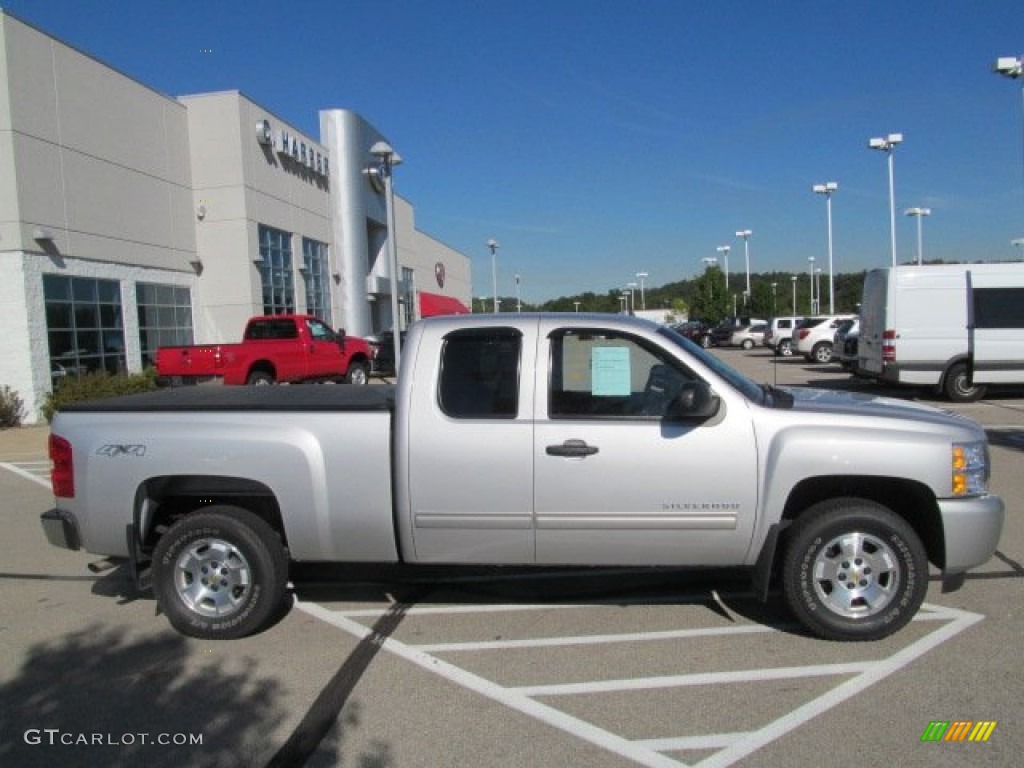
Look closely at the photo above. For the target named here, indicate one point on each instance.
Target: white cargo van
(955, 327)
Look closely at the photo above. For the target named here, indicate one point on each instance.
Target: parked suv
(778, 335)
(813, 338)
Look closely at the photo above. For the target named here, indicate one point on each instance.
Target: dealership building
(131, 220)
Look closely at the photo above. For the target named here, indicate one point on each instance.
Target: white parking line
(29, 470)
(648, 752)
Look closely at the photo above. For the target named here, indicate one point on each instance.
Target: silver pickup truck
(566, 439)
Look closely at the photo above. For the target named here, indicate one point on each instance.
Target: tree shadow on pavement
(106, 696)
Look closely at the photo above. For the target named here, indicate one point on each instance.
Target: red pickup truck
(277, 348)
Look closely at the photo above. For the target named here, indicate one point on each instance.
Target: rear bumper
(61, 529)
(972, 529)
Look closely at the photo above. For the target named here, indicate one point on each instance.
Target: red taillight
(62, 476)
(889, 346)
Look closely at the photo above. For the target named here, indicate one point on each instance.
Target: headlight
(970, 469)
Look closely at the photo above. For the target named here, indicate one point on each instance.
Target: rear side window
(999, 308)
(272, 329)
(480, 374)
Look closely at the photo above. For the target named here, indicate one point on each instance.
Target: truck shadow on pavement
(725, 593)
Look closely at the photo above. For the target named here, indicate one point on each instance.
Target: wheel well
(162, 500)
(262, 366)
(911, 500)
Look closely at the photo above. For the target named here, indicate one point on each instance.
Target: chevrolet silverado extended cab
(565, 439)
(274, 349)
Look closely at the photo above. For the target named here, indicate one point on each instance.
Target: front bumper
(61, 529)
(972, 528)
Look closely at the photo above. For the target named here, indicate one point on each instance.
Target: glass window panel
(87, 316)
(109, 291)
(84, 290)
(88, 342)
(58, 315)
(110, 316)
(62, 344)
(56, 288)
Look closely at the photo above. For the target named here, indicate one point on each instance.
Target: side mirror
(694, 403)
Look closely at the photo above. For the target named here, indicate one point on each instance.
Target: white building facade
(131, 220)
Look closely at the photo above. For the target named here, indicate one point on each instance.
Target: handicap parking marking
(36, 471)
(731, 746)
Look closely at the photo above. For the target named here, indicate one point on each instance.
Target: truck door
(618, 483)
(470, 441)
(997, 336)
(325, 358)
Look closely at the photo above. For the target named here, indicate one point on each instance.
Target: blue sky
(598, 138)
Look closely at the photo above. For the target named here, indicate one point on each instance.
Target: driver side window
(601, 374)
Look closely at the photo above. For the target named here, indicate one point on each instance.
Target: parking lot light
(919, 213)
(887, 145)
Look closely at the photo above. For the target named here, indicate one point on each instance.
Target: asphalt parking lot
(386, 667)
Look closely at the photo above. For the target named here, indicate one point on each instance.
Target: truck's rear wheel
(220, 574)
(259, 379)
(854, 570)
(958, 387)
(785, 348)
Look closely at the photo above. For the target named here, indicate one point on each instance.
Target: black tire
(358, 375)
(785, 348)
(957, 387)
(747, 344)
(822, 352)
(220, 574)
(867, 592)
(259, 379)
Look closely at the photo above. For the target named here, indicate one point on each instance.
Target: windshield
(748, 387)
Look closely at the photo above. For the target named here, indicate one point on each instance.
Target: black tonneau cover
(295, 397)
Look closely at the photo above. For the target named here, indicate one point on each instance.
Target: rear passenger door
(470, 442)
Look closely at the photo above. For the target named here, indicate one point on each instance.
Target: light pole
(817, 290)
(519, 302)
(494, 245)
(774, 286)
(827, 189)
(745, 234)
(887, 145)
(810, 271)
(793, 281)
(624, 303)
(710, 261)
(576, 304)
(632, 297)
(724, 250)
(642, 276)
(387, 159)
(919, 214)
(1013, 66)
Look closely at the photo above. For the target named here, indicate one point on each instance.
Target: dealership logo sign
(958, 730)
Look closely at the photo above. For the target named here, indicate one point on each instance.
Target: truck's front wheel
(357, 375)
(854, 570)
(220, 573)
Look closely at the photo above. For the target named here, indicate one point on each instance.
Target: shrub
(12, 408)
(96, 385)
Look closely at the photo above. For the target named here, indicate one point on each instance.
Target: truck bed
(310, 397)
